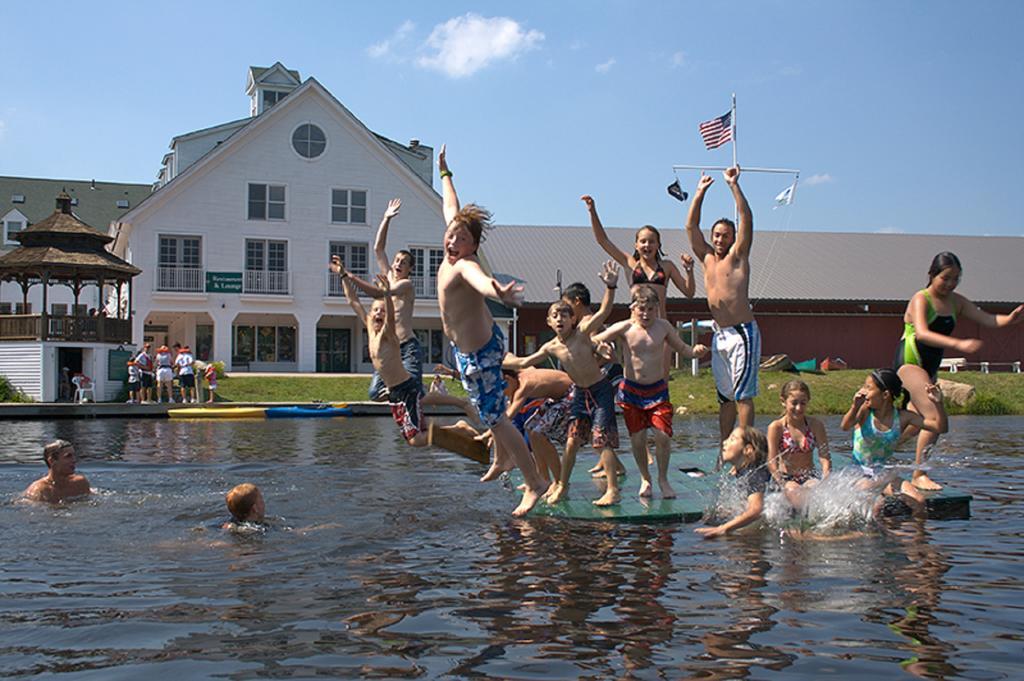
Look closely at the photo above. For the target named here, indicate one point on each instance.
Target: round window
(309, 140)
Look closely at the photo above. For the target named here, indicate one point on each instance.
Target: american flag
(717, 131)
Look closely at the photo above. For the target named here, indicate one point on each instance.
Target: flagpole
(736, 209)
(734, 128)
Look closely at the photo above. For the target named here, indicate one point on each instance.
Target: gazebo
(63, 250)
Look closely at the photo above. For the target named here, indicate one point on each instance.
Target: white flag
(785, 197)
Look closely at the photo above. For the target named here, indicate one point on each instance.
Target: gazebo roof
(64, 247)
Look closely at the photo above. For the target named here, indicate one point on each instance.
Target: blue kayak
(322, 410)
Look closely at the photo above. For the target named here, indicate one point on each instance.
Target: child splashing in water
(747, 450)
(792, 440)
(879, 427)
(928, 324)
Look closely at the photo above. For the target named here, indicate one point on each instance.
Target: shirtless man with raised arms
(736, 344)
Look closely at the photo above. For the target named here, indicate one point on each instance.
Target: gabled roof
(213, 128)
(239, 137)
(259, 73)
(794, 266)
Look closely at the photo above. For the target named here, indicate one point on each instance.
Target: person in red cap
(164, 374)
(183, 363)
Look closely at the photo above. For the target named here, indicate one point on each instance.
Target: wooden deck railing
(65, 328)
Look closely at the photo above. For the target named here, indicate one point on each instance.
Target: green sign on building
(223, 282)
(117, 365)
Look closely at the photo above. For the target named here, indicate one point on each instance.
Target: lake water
(418, 571)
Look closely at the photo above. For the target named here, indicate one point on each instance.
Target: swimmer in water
(61, 482)
(246, 505)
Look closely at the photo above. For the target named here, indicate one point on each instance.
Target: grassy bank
(830, 393)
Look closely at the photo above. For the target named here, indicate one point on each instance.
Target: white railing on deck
(186, 279)
(263, 281)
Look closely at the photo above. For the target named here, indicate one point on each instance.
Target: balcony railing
(266, 282)
(65, 328)
(184, 279)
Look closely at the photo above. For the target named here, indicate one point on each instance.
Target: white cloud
(577, 45)
(678, 59)
(385, 47)
(790, 71)
(3, 129)
(606, 66)
(464, 45)
(890, 230)
(819, 178)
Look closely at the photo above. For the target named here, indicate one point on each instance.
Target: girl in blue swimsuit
(927, 327)
(879, 427)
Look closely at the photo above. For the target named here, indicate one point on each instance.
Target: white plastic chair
(84, 391)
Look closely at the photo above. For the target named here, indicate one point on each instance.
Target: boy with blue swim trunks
(478, 343)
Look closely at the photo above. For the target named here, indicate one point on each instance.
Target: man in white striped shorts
(736, 345)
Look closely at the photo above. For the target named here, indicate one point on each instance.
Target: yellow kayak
(218, 413)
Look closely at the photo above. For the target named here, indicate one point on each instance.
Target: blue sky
(901, 116)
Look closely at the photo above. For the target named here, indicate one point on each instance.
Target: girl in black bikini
(645, 265)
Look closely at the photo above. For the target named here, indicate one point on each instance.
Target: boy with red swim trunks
(644, 392)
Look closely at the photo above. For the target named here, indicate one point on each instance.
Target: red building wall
(802, 330)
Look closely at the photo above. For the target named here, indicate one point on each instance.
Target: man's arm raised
(745, 230)
(380, 244)
(450, 199)
(697, 242)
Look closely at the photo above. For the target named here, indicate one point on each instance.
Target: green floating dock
(693, 494)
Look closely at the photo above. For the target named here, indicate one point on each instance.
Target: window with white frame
(266, 266)
(79, 309)
(348, 206)
(5, 308)
(13, 223)
(179, 263)
(424, 269)
(59, 309)
(355, 259)
(266, 201)
(23, 308)
(272, 97)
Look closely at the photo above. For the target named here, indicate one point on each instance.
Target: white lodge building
(234, 245)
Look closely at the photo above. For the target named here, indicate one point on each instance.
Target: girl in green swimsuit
(879, 427)
(927, 327)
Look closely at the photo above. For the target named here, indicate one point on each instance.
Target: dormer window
(122, 203)
(17, 198)
(272, 97)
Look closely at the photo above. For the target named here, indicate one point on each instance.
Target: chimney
(414, 143)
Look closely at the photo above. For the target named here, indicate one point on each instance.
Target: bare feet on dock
(599, 468)
(557, 493)
(925, 483)
(645, 488)
(552, 492)
(529, 500)
(599, 473)
(666, 490)
(609, 498)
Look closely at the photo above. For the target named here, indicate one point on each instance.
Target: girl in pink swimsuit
(792, 439)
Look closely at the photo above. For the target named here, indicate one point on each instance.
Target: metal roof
(797, 266)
